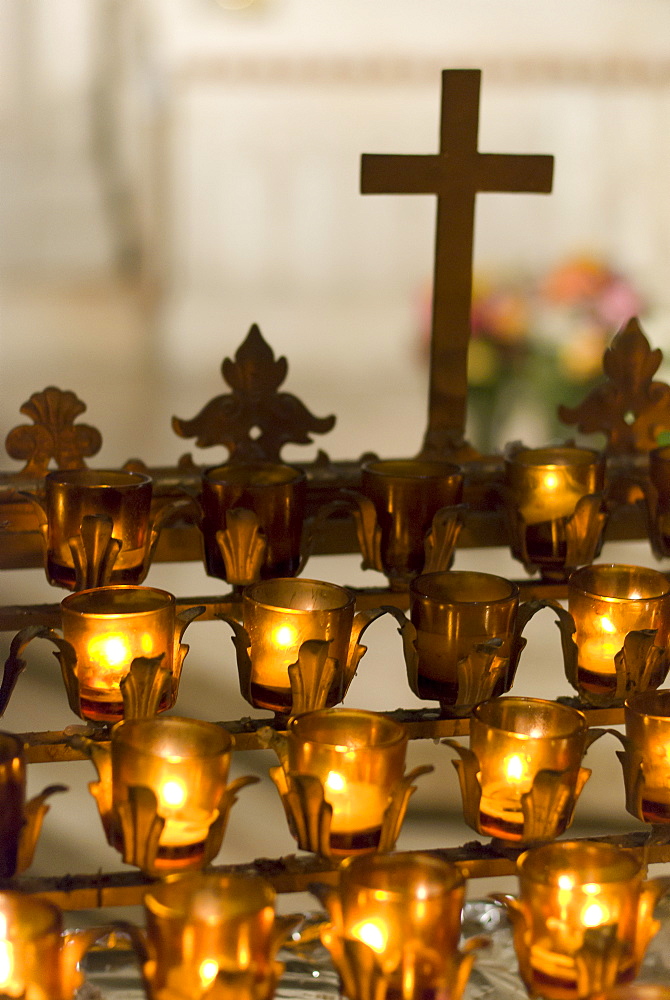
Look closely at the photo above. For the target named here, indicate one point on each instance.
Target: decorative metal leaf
(311, 676)
(395, 811)
(630, 409)
(549, 804)
(242, 545)
(34, 812)
(441, 539)
(254, 404)
(54, 434)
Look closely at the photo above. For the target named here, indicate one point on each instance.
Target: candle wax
(184, 823)
(357, 805)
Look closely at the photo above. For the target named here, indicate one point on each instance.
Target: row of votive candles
(164, 798)
(101, 527)
(581, 925)
(299, 642)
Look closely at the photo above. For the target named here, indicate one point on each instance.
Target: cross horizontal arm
(514, 172)
(396, 173)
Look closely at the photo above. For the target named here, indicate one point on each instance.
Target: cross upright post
(455, 175)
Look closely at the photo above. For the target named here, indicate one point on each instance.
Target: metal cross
(455, 175)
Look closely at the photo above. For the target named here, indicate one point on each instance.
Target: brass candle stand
(254, 421)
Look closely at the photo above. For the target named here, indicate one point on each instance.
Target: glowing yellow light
(6, 954)
(606, 624)
(110, 651)
(371, 933)
(147, 643)
(208, 971)
(591, 888)
(565, 882)
(515, 768)
(594, 915)
(335, 782)
(173, 794)
(551, 481)
(284, 636)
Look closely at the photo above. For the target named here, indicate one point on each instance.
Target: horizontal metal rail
(420, 724)
(293, 873)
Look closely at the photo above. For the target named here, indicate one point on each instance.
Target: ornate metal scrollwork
(254, 404)
(54, 434)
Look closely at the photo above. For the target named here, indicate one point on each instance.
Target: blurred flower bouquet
(539, 341)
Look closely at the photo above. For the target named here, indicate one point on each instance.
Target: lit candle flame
(208, 971)
(594, 914)
(606, 625)
(516, 769)
(372, 933)
(172, 794)
(284, 636)
(335, 781)
(110, 652)
(551, 481)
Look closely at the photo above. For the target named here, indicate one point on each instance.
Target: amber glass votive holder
(108, 628)
(37, 960)
(397, 917)
(252, 520)
(522, 775)
(202, 926)
(281, 615)
(162, 793)
(185, 763)
(454, 613)
(583, 919)
(407, 494)
(342, 775)
(19, 826)
(607, 602)
(122, 497)
(544, 488)
(647, 755)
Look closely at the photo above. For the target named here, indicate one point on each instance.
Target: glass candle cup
(108, 628)
(404, 902)
(514, 739)
(12, 797)
(37, 960)
(72, 495)
(275, 493)
(566, 890)
(454, 612)
(279, 616)
(607, 602)
(545, 485)
(647, 716)
(357, 757)
(185, 764)
(203, 924)
(30, 948)
(406, 495)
